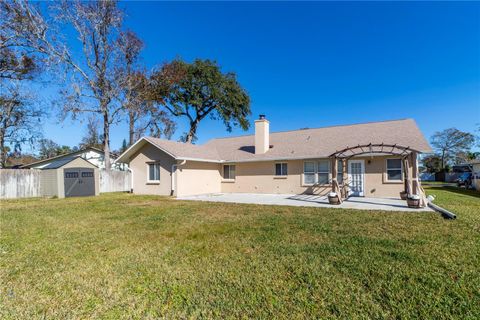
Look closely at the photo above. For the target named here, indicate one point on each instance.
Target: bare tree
(19, 112)
(92, 137)
(132, 81)
(19, 119)
(93, 87)
(142, 114)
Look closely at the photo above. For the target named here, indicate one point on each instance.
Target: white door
(356, 177)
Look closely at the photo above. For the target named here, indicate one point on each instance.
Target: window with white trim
(229, 172)
(281, 169)
(394, 169)
(309, 172)
(340, 172)
(323, 171)
(153, 171)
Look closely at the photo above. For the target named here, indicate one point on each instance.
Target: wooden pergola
(408, 155)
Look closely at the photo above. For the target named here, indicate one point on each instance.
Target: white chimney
(262, 135)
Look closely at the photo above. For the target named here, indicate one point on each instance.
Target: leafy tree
(468, 156)
(16, 63)
(197, 90)
(19, 120)
(19, 158)
(19, 112)
(48, 149)
(124, 146)
(432, 163)
(451, 142)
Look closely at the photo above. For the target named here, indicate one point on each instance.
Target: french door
(356, 177)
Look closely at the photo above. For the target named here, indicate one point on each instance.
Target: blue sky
(321, 64)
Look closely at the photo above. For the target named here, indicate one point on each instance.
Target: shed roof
(61, 162)
(70, 155)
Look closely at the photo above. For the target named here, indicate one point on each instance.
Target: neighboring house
(289, 162)
(93, 155)
(475, 165)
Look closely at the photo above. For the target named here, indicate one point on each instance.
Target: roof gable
(297, 144)
(62, 162)
(66, 155)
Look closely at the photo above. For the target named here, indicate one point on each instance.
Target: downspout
(131, 179)
(445, 213)
(174, 175)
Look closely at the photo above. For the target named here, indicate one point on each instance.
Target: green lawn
(125, 256)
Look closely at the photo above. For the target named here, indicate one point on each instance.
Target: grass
(125, 256)
(438, 183)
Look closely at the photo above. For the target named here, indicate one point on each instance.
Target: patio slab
(297, 200)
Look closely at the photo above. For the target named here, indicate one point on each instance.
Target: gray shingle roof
(300, 144)
(322, 142)
(58, 163)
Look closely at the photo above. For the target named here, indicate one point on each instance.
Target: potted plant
(413, 201)
(333, 198)
(403, 195)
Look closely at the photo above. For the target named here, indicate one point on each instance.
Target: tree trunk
(443, 160)
(131, 127)
(193, 130)
(3, 157)
(106, 141)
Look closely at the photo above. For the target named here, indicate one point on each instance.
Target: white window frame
(388, 169)
(154, 163)
(314, 172)
(283, 165)
(323, 172)
(229, 172)
(340, 171)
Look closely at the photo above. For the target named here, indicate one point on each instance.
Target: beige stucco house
(370, 156)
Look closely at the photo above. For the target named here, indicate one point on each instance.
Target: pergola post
(415, 186)
(406, 175)
(335, 187)
(345, 178)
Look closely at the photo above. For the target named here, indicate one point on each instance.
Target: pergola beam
(360, 149)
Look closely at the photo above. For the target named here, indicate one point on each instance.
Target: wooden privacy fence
(115, 181)
(20, 183)
(26, 183)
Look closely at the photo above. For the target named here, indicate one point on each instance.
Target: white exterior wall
(476, 176)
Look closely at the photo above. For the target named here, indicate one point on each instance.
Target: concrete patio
(388, 204)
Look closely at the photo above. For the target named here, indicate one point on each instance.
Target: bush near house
(126, 256)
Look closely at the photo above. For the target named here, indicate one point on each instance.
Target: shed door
(79, 182)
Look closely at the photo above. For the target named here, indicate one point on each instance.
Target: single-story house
(377, 159)
(93, 155)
